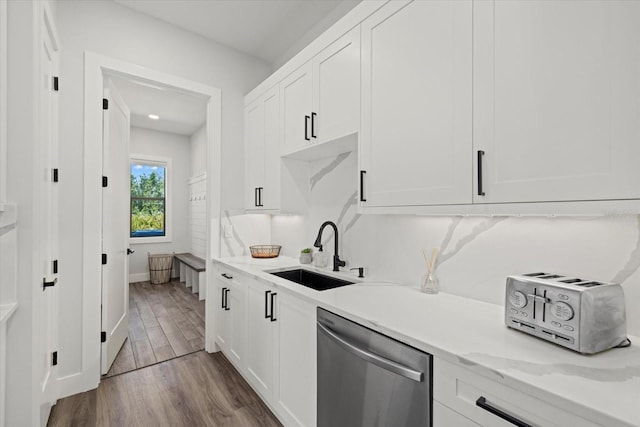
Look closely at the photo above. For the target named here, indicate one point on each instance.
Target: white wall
(477, 252)
(110, 29)
(198, 160)
(177, 148)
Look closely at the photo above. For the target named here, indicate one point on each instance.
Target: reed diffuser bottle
(430, 282)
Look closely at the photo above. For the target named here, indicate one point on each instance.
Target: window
(149, 200)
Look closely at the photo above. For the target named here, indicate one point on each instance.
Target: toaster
(583, 315)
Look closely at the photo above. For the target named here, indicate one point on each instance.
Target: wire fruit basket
(265, 251)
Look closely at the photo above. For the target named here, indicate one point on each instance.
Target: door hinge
(54, 175)
(105, 104)
(103, 336)
(54, 268)
(104, 259)
(55, 83)
(105, 181)
(54, 358)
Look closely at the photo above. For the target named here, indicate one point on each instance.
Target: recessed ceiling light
(153, 117)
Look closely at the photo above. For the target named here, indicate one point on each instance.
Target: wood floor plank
(157, 338)
(143, 353)
(165, 352)
(125, 361)
(180, 345)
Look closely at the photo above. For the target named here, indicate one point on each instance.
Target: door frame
(96, 67)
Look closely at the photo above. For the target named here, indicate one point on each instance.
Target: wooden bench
(193, 273)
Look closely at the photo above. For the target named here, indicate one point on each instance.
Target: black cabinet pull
(273, 318)
(362, 174)
(222, 298)
(266, 304)
(46, 284)
(255, 196)
(226, 300)
(260, 197)
(482, 402)
(306, 128)
(226, 276)
(313, 125)
(480, 189)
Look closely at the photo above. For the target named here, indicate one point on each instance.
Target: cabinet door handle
(226, 276)
(362, 174)
(306, 128)
(482, 402)
(255, 196)
(313, 125)
(226, 300)
(271, 315)
(260, 197)
(222, 301)
(480, 189)
(266, 304)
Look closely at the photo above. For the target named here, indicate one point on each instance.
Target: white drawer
(460, 389)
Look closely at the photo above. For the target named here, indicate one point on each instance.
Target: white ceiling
(179, 112)
(266, 29)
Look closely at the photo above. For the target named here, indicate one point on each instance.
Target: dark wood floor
(198, 389)
(165, 321)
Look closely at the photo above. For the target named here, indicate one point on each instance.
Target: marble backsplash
(476, 253)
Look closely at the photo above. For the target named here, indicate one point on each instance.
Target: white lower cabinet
(261, 345)
(230, 315)
(278, 332)
(475, 399)
(295, 389)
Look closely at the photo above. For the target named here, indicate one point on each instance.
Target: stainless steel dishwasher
(368, 379)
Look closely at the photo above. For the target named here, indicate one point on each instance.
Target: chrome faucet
(337, 263)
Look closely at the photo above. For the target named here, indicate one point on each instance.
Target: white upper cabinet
(557, 100)
(295, 95)
(262, 153)
(336, 89)
(416, 129)
(321, 99)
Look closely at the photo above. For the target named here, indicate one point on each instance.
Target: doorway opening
(104, 308)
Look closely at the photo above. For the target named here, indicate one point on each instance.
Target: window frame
(164, 162)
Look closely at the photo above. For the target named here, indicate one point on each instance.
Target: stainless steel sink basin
(310, 279)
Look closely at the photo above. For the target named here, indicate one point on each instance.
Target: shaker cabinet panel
(261, 348)
(336, 88)
(556, 100)
(296, 102)
(416, 123)
(262, 153)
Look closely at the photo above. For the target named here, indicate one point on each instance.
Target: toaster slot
(550, 276)
(523, 325)
(572, 280)
(534, 274)
(556, 336)
(590, 284)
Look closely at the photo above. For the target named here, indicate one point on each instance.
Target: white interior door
(115, 226)
(46, 296)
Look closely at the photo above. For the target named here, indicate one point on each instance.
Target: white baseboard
(74, 384)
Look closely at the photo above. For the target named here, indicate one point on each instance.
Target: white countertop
(604, 388)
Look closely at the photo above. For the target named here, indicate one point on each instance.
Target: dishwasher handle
(379, 361)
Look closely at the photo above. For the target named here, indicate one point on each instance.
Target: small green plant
(306, 251)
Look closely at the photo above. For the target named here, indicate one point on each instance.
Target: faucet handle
(360, 271)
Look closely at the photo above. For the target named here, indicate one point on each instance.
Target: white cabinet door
(446, 417)
(336, 89)
(416, 104)
(295, 97)
(236, 309)
(296, 364)
(222, 319)
(557, 100)
(262, 153)
(261, 349)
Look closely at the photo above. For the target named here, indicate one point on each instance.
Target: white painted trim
(138, 277)
(95, 67)
(167, 163)
(198, 178)
(3, 105)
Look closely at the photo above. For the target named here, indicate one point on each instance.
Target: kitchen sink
(310, 279)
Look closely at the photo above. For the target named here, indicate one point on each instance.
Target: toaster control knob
(562, 311)
(518, 299)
